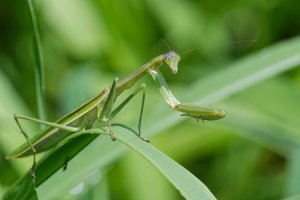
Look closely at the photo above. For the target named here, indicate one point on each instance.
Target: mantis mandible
(99, 109)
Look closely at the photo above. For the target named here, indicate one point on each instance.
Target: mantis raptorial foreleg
(191, 110)
(163, 87)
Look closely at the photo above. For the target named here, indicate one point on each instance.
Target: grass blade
(293, 172)
(39, 65)
(23, 190)
(189, 186)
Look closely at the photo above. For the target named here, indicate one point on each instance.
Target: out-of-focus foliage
(86, 44)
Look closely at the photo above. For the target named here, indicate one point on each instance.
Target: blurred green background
(85, 44)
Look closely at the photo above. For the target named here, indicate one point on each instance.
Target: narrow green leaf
(49, 165)
(189, 186)
(22, 190)
(248, 71)
(39, 65)
(294, 197)
(293, 176)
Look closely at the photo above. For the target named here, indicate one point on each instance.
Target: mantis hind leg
(17, 118)
(32, 173)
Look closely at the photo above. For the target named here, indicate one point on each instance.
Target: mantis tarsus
(98, 111)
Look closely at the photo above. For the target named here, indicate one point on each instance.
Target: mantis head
(171, 59)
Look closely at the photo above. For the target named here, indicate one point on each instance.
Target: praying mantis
(99, 110)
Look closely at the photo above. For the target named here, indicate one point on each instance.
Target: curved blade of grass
(294, 197)
(39, 65)
(271, 119)
(249, 71)
(189, 186)
(293, 173)
(272, 115)
(23, 190)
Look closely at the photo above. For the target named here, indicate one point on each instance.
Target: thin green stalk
(39, 66)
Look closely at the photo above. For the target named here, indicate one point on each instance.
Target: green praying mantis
(99, 110)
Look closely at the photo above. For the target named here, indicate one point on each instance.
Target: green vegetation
(253, 153)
